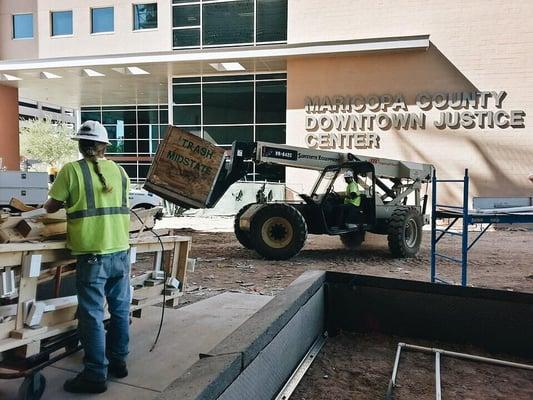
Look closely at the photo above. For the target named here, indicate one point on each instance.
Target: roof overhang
(75, 88)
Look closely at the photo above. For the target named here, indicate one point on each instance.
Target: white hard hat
(348, 174)
(92, 130)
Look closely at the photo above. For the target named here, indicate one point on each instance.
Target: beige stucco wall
(475, 45)
(22, 48)
(82, 43)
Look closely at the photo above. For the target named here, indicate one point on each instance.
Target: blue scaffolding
(454, 213)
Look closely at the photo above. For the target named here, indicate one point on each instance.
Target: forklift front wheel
(278, 231)
(32, 388)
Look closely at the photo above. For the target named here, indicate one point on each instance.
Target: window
(228, 103)
(271, 20)
(23, 26)
(231, 22)
(135, 132)
(199, 23)
(61, 23)
(144, 16)
(226, 108)
(102, 20)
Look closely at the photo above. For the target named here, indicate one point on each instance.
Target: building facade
(437, 81)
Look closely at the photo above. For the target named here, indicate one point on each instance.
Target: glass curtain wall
(214, 23)
(135, 132)
(223, 109)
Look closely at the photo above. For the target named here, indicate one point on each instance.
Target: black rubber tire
(353, 240)
(295, 237)
(32, 388)
(399, 244)
(242, 236)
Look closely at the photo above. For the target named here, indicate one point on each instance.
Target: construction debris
(33, 225)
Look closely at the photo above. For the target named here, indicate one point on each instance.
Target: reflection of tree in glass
(145, 16)
(116, 146)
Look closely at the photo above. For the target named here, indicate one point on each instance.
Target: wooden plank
(38, 230)
(181, 273)
(53, 230)
(146, 293)
(54, 251)
(10, 235)
(6, 328)
(29, 229)
(26, 333)
(19, 205)
(10, 222)
(185, 168)
(139, 280)
(58, 216)
(152, 301)
(11, 343)
(139, 242)
(8, 310)
(53, 318)
(28, 350)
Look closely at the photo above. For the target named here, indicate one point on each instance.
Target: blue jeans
(99, 277)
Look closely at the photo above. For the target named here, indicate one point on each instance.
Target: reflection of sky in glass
(23, 26)
(61, 23)
(120, 130)
(102, 20)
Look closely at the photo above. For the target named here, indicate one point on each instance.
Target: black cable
(164, 280)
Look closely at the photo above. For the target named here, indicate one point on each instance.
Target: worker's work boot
(117, 369)
(80, 384)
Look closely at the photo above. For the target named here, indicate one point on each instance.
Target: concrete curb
(208, 378)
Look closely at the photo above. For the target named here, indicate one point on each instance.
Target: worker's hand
(530, 177)
(51, 206)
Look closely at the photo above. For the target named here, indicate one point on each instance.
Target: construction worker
(52, 173)
(352, 199)
(94, 192)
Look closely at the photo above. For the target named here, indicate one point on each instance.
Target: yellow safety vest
(352, 188)
(97, 222)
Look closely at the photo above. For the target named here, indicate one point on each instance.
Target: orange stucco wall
(9, 128)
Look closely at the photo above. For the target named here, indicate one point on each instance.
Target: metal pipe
(438, 390)
(469, 357)
(392, 382)
(396, 362)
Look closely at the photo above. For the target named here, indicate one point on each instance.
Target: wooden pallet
(14, 334)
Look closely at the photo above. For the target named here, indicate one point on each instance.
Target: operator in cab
(94, 192)
(352, 200)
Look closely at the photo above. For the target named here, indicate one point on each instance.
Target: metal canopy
(38, 79)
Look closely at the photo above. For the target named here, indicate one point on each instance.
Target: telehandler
(391, 200)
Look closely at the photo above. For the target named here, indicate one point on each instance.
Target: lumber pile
(26, 227)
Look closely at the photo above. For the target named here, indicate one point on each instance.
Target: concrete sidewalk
(186, 332)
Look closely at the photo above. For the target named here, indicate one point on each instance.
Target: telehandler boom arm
(299, 157)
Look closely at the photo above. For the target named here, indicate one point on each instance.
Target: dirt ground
(501, 259)
(360, 367)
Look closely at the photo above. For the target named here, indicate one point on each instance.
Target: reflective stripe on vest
(92, 210)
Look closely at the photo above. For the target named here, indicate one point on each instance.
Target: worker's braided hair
(92, 150)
